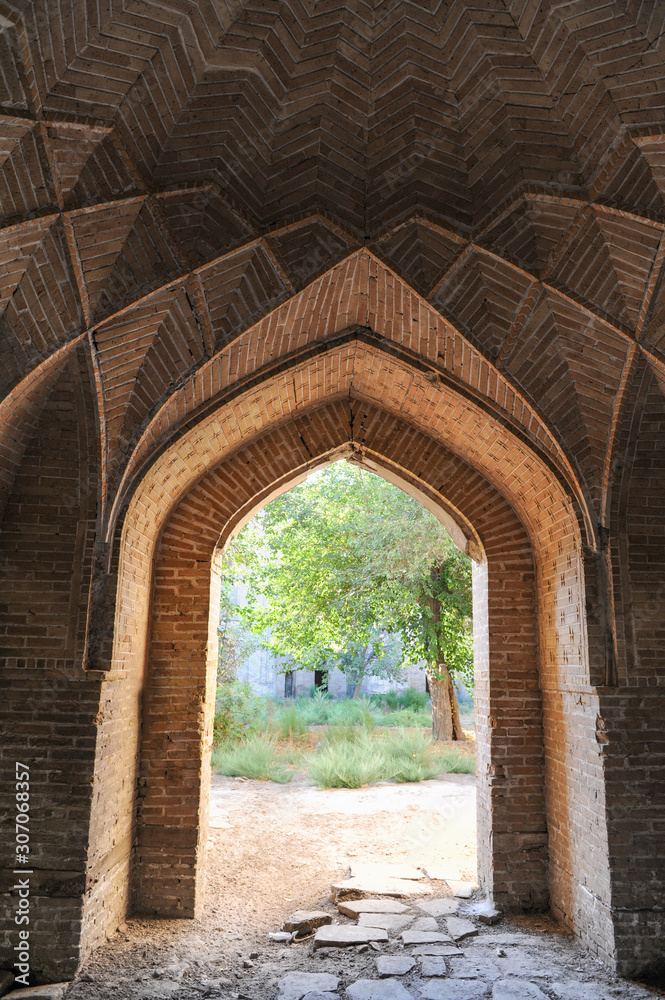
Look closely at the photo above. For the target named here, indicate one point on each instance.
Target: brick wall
(48, 705)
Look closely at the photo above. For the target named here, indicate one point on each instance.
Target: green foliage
(351, 757)
(348, 571)
(287, 723)
(237, 711)
(256, 757)
(405, 718)
(453, 761)
(350, 752)
(348, 763)
(411, 756)
(413, 699)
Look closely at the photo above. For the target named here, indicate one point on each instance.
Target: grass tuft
(453, 761)
(411, 756)
(348, 763)
(257, 757)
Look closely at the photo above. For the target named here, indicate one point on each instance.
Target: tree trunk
(446, 724)
(356, 693)
(458, 732)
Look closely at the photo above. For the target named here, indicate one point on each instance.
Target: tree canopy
(347, 570)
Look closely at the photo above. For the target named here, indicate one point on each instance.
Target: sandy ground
(274, 849)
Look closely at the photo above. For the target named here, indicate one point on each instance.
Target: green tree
(346, 570)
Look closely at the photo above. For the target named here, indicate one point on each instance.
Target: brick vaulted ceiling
(173, 173)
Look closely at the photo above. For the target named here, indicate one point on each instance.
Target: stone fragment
(389, 921)
(443, 950)
(485, 911)
(296, 985)
(425, 924)
(439, 907)
(377, 989)
(394, 965)
(305, 921)
(459, 928)
(581, 991)
(371, 869)
(448, 989)
(53, 991)
(516, 989)
(354, 907)
(433, 966)
(402, 888)
(424, 937)
(463, 890)
(343, 935)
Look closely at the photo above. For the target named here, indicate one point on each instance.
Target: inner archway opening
(348, 581)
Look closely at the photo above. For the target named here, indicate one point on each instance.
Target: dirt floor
(274, 849)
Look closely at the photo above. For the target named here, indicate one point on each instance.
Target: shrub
(256, 757)
(416, 700)
(237, 711)
(391, 699)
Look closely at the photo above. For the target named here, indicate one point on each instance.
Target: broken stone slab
(344, 935)
(439, 907)
(389, 921)
(463, 890)
(379, 870)
(516, 989)
(296, 985)
(447, 989)
(305, 921)
(53, 991)
(402, 888)
(318, 995)
(433, 966)
(442, 950)
(377, 989)
(424, 937)
(459, 928)
(425, 924)
(394, 965)
(354, 907)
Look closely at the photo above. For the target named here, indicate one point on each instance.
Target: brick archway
(536, 735)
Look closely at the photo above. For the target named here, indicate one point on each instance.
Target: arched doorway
(350, 395)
